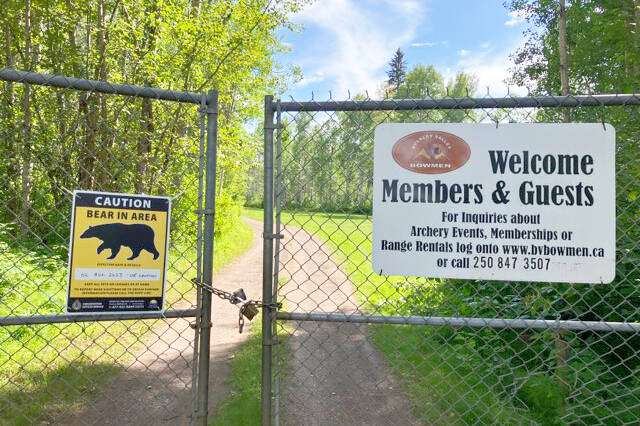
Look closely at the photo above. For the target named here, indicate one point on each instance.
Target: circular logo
(431, 152)
(76, 305)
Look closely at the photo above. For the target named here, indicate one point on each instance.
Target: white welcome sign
(520, 202)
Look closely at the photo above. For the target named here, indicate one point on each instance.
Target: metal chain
(218, 292)
(235, 299)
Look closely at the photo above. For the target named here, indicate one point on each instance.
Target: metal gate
(349, 346)
(64, 133)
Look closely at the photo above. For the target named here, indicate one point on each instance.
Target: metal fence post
(267, 259)
(276, 259)
(207, 264)
(196, 340)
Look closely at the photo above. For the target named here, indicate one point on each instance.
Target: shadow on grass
(114, 381)
(446, 383)
(48, 395)
(99, 373)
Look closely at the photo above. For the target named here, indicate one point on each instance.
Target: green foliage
(603, 40)
(604, 57)
(55, 139)
(328, 158)
(397, 70)
(497, 376)
(542, 394)
(482, 375)
(47, 370)
(242, 405)
(446, 381)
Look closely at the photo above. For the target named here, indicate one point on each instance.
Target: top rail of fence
(64, 82)
(461, 103)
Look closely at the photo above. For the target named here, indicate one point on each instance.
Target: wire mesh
(473, 361)
(59, 134)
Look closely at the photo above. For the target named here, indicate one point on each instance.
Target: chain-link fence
(351, 346)
(59, 134)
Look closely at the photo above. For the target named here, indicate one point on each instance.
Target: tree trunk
(635, 65)
(9, 127)
(163, 185)
(56, 172)
(56, 167)
(87, 151)
(346, 200)
(82, 103)
(220, 182)
(562, 53)
(144, 145)
(26, 179)
(72, 42)
(144, 141)
(103, 171)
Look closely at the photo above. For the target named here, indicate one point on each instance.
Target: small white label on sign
(97, 274)
(520, 202)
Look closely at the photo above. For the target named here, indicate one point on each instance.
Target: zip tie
(205, 212)
(272, 236)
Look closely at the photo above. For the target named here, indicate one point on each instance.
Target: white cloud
(360, 39)
(429, 44)
(517, 17)
(405, 7)
(484, 45)
(490, 68)
(463, 52)
(315, 77)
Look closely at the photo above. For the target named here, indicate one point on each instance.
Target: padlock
(239, 294)
(249, 311)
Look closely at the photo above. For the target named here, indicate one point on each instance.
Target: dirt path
(334, 375)
(156, 388)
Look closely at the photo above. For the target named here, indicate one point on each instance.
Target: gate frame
(270, 274)
(208, 103)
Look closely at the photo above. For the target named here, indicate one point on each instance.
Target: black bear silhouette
(136, 236)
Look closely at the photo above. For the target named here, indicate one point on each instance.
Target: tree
(601, 42)
(398, 70)
(592, 47)
(603, 46)
(327, 164)
(57, 139)
(425, 81)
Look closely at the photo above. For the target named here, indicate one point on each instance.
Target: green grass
(440, 387)
(46, 370)
(445, 383)
(468, 376)
(242, 405)
(349, 237)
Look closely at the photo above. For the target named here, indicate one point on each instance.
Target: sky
(344, 46)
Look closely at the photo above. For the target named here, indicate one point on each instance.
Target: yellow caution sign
(118, 252)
